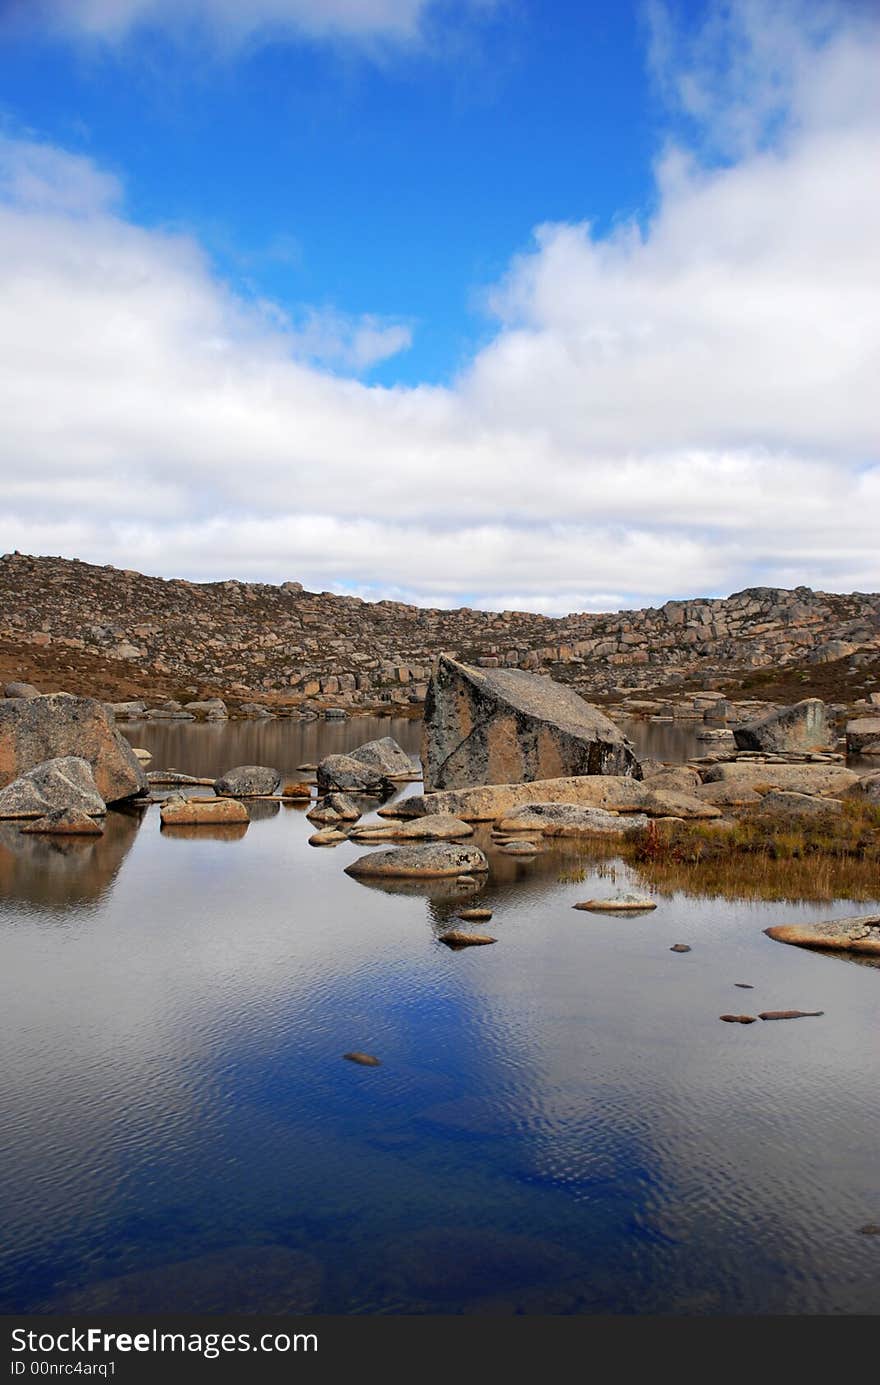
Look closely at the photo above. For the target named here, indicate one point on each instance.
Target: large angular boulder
(386, 756)
(801, 727)
(427, 860)
(65, 783)
(348, 775)
(505, 726)
(36, 729)
(861, 934)
(248, 781)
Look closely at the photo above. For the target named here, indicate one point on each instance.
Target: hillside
(118, 634)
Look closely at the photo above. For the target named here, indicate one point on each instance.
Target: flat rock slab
(436, 827)
(860, 934)
(801, 727)
(248, 781)
(36, 729)
(66, 782)
(506, 726)
(188, 812)
(625, 904)
(428, 860)
(65, 822)
(822, 779)
(570, 820)
(613, 793)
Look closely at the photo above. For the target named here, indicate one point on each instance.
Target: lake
(559, 1123)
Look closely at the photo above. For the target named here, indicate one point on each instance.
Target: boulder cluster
(258, 648)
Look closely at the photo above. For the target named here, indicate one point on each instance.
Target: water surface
(560, 1123)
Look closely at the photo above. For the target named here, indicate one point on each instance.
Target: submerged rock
(506, 726)
(365, 1060)
(247, 781)
(801, 727)
(424, 860)
(36, 729)
(861, 934)
(789, 1014)
(65, 783)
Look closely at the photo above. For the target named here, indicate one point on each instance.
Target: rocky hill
(118, 634)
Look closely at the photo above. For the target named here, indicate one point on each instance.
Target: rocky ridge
(300, 652)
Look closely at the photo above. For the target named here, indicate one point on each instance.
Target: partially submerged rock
(416, 861)
(36, 729)
(801, 727)
(860, 934)
(189, 812)
(457, 938)
(344, 807)
(618, 904)
(680, 947)
(329, 836)
(364, 1060)
(65, 822)
(506, 726)
(570, 820)
(738, 1019)
(296, 791)
(65, 783)
(789, 1014)
(475, 915)
(247, 781)
(345, 773)
(386, 757)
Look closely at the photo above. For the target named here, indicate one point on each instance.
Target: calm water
(560, 1122)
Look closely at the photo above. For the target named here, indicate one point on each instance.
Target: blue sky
(553, 306)
(395, 183)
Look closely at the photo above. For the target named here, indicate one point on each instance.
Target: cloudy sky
(547, 304)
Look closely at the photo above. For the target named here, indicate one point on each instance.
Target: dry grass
(762, 856)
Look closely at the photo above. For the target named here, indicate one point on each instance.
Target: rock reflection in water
(61, 873)
(209, 832)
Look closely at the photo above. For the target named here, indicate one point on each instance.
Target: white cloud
(686, 407)
(239, 20)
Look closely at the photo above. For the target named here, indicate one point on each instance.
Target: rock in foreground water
(618, 904)
(506, 726)
(36, 729)
(457, 937)
(385, 756)
(65, 822)
(248, 781)
(429, 860)
(613, 793)
(860, 934)
(188, 812)
(345, 773)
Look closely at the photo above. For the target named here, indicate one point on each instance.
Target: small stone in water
(475, 914)
(366, 1060)
(737, 1019)
(871, 1229)
(679, 947)
(743, 986)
